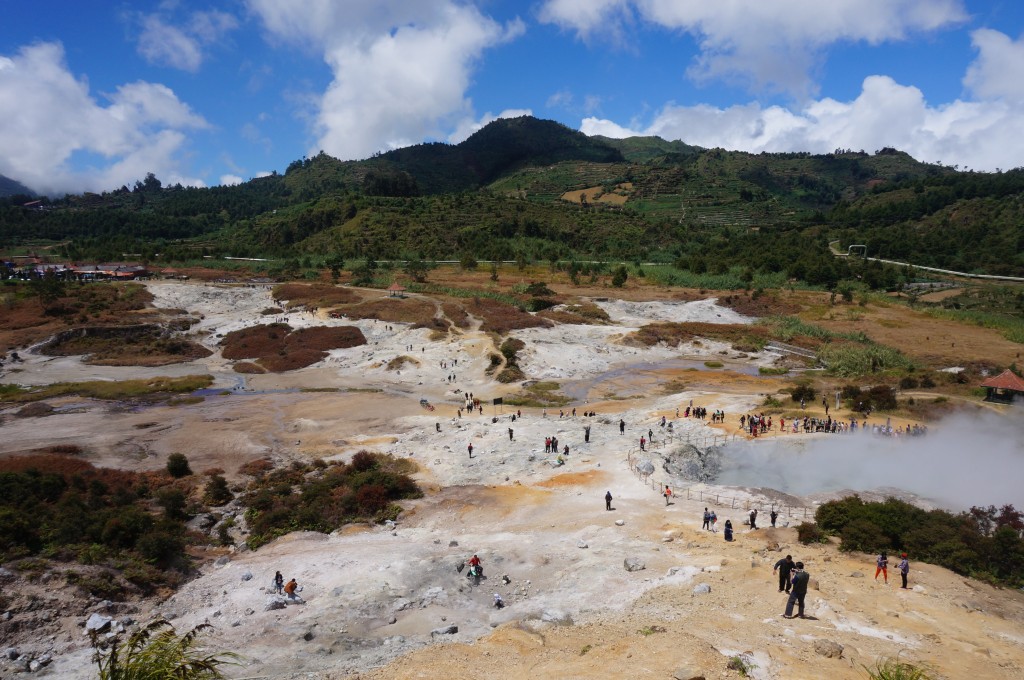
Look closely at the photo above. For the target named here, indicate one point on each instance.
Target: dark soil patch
(248, 367)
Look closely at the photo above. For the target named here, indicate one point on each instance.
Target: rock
(221, 561)
(772, 546)
(6, 616)
(702, 589)
(12, 653)
(557, 617)
(389, 523)
(201, 522)
(45, 659)
(249, 611)
(447, 630)
(236, 623)
(633, 564)
(275, 602)
(856, 574)
(308, 635)
(453, 544)
(828, 648)
(6, 574)
(667, 539)
(920, 589)
(247, 575)
(813, 584)
(34, 666)
(687, 673)
(581, 544)
(393, 620)
(97, 623)
(620, 522)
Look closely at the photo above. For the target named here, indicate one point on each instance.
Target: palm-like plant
(157, 652)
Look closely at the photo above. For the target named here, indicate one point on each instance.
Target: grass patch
(398, 362)
(185, 401)
(586, 313)
(772, 370)
(847, 360)
(1012, 327)
(539, 395)
(115, 389)
(894, 669)
(713, 364)
(139, 345)
(651, 630)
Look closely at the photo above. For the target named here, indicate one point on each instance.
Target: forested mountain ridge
(529, 189)
(11, 187)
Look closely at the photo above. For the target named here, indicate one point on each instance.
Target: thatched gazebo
(396, 290)
(1004, 388)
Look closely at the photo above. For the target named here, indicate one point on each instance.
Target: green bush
(802, 392)
(217, 491)
(177, 466)
(808, 532)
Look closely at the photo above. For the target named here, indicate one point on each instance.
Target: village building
(1004, 388)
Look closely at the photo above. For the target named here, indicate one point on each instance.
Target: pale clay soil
(571, 611)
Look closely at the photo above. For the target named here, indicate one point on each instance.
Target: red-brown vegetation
(501, 317)
(276, 347)
(314, 294)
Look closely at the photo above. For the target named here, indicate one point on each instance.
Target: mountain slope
(10, 187)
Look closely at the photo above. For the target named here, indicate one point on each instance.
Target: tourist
(714, 522)
(707, 520)
(904, 567)
(607, 500)
(510, 434)
(622, 426)
(799, 592)
(667, 494)
(773, 516)
(290, 589)
(642, 442)
(728, 530)
(753, 518)
(882, 567)
(278, 583)
(783, 567)
(470, 448)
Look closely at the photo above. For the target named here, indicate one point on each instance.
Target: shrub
(882, 398)
(172, 501)
(217, 491)
(908, 382)
(620, 276)
(802, 392)
(177, 465)
(808, 532)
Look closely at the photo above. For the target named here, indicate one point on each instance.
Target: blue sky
(96, 94)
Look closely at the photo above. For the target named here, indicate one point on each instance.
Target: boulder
(828, 648)
(702, 589)
(275, 602)
(856, 574)
(633, 564)
(446, 630)
(687, 673)
(813, 584)
(581, 544)
(12, 653)
(620, 522)
(97, 623)
(246, 575)
(557, 617)
(221, 561)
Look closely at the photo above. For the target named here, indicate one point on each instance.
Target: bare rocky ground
(376, 599)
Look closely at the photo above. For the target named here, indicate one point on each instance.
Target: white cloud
(468, 126)
(49, 116)
(230, 180)
(182, 47)
(996, 73)
(772, 45)
(982, 135)
(264, 173)
(401, 68)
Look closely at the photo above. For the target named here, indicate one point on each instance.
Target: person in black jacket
(784, 567)
(800, 580)
(607, 500)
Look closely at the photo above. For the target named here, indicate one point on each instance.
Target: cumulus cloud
(982, 135)
(49, 116)
(182, 47)
(766, 45)
(996, 73)
(230, 180)
(400, 68)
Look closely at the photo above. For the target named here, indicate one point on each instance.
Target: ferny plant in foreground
(157, 652)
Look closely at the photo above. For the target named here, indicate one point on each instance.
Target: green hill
(499, 194)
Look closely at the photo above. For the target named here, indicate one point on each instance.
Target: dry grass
(456, 313)
(104, 389)
(314, 294)
(501, 317)
(416, 311)
(277, 348)
(759, 304)
(584, 314)
(141, 346)
(248, 367)
(398, 362)
(672, 334)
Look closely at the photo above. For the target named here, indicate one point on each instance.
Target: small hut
(1004, 388)
(396, 290)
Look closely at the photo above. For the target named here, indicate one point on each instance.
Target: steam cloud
(965, 460)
